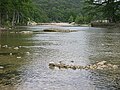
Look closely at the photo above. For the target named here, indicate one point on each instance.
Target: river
(27, 67)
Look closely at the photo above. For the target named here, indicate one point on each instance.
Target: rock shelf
(97, 66)
(57, 30)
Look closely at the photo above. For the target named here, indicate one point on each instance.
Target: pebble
(19, 57)
(101, 63)
(28, 53)
(5, 46)
(115, 66)
(51, 64)
(1, 67)
(16, 48)
(10, 54)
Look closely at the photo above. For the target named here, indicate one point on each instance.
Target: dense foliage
(19, 12)
(103, 10)
(60, 10)
(14, 11)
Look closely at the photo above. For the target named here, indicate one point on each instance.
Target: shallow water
(30, 71)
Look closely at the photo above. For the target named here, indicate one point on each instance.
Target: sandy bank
(57, 24)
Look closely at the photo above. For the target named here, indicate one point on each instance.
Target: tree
(103, 9)
(18, 12)
(71, 19)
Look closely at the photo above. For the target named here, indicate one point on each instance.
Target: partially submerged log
(97, 66)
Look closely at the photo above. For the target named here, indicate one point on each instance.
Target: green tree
(71, 19)
(18, 12)
(103, 9)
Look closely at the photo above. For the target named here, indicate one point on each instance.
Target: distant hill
(59, 10)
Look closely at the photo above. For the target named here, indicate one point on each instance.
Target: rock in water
(51, 64)
(5, 46)
(57, 30)
(28, 53)
(115, 66)
(1, 67)
(16, 48)
(10, 54)
(26, 32)
(101, 63)
(19, 57)
(98, 66)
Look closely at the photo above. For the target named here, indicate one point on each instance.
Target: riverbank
(57, 24)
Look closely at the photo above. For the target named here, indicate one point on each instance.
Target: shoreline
(105, 25)
(57, 24)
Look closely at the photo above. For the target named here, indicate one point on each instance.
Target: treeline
(60, 10)
(108, 10)
(19, 12)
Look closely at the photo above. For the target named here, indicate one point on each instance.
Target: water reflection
(12, 53)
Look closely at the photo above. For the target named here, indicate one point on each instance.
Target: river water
(27, 68)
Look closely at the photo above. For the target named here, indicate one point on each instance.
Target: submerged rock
(57, 30)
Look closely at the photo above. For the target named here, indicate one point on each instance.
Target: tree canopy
(19, 12)
(103, 9)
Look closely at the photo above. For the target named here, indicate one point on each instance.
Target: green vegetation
(19, 12)
(103, 10)
(60, 10)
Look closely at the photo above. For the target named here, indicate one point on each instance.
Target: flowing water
(27, 68)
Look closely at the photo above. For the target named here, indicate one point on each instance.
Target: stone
(100, 66)
(51, 64)
(28, 53)
(115, 66)
(1, 67)
(101, 63)
(16, 48)
(10, 54)
(5, 46)
(19, 57)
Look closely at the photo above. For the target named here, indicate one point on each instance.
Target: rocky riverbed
(103, 65)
